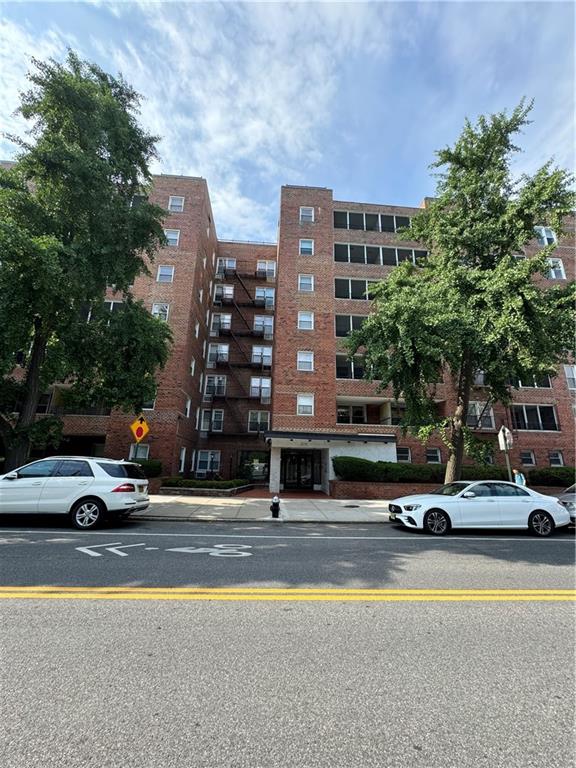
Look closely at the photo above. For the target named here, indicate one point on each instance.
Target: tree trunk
(456, 450)
(19, 447)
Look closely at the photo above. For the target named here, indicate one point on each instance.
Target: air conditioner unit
(265, 399)
(207, 398)
(203, 433)
(270, 278)
(210, 364)
(268, 335)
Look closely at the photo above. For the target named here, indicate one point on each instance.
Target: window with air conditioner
(258, 421)
(264, 324)
(225, 266)
(262, 356)
(260, 387)
(218, 353)
(220, 323)
(161, 311)
(264, 297)
(306, 215)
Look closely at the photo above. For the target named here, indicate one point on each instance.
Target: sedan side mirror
(11, 476)
(469, 495)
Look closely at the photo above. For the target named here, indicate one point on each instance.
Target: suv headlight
(570, 505)
(412, 507)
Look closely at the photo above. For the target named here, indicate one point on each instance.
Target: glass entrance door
(298, 470)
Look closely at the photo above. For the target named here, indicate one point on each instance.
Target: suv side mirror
(11, 476)
(469, 495)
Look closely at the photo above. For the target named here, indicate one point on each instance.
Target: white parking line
(417, 539)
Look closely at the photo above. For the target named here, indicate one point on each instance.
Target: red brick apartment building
(258, 375)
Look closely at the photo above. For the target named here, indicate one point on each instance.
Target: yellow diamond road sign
(139, 428)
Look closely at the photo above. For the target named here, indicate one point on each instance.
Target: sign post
(506, 441)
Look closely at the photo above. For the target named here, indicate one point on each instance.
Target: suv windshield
(134, 471)
(451, 489)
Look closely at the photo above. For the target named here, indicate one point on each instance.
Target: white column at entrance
(275, 470)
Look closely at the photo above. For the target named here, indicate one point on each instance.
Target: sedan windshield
(451, 489)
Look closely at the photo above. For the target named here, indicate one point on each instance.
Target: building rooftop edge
(248, 242)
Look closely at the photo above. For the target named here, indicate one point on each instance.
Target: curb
(253, 520)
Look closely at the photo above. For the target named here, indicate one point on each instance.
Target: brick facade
(194, 297)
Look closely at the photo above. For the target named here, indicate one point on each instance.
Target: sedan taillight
(124, 488)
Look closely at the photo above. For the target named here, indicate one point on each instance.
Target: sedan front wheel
(436, 522)
(541, 523)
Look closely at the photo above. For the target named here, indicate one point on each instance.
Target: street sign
(139, 428)
(505, 439)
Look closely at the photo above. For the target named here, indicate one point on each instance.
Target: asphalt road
(269, 682)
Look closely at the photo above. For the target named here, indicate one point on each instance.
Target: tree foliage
(472, 306)
(70, 228)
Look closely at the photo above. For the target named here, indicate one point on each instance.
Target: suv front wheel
(87, 513)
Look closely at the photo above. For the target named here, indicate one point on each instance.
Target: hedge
(554, 476)
(150, 467)
(363, 470)
(180, 482)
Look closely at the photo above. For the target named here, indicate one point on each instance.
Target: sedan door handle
(83, 482)
(37, 482)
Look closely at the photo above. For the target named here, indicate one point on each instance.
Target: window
(527, 458)
(542, 382)
(113, 306)
(200, 295)
(262, 356)
(479, 379)
(173, 237)
(305, 361)
(175, 204)
(197, 330)
(192, 366)
(74, 468)
(182, 462)
(161, 311)
(265, 325)
(266, 269)
(556, 271)
(306, 215)
(348, 288)
(260, 387)
(208, 463)
(218, 353)
(187, 407)
(570, 373)
(372, 222)
(165, 274)
(349, 369)
(306, 283)
(306, 248)
(220, 323)
(305, 405)
(212, 420)
(545, 236)
(480, 416)
(397, 413)
(433, 456)
(347, 323)
(306, 321)
(403, 455)
(556, 458)
(223, 293)
(215, 385)
(225, 267)
(264, 297)
(534, 417)
(200, 382)
(197, 417)
(258, 421)
(149, 405)
(350, 414)
(139, 451)
(38, 469)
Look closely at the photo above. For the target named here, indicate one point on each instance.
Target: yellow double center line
(287, 594)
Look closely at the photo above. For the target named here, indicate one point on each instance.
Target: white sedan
(482, 504)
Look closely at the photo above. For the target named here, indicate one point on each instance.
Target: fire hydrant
(275, 507)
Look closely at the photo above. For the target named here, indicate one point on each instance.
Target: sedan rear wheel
(87, 514)
(541, 523)
(436, 522)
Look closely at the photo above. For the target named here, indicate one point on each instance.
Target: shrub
(180, 482)
(555, 476)
(150, 467)
(363, 470)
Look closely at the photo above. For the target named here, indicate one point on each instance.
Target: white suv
(87, 489)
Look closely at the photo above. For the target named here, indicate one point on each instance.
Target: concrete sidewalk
(235, 508)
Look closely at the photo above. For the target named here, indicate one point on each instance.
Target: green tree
(472, 306)
(74, 219)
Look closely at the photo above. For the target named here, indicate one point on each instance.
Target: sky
(353, 96)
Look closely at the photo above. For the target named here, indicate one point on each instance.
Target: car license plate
(392, 515)
(141, 488)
